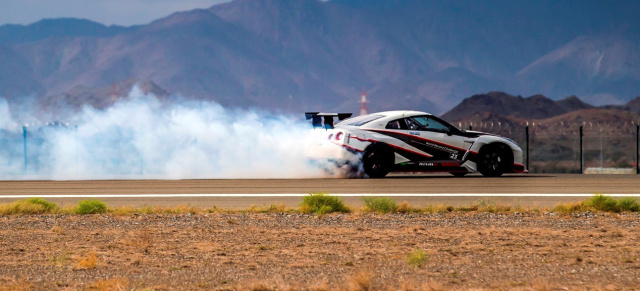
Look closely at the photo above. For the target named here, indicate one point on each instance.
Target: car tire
(458, 174)
(378, 160)
(493, 160)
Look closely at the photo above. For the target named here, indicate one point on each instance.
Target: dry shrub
(87, 262)
(258, 286)
(57, 229)
(60, 259)
(113, 284)
(490, 205)
(142, 239)
(439, 208)
(429, 285)
(321, 286)
(405, 207)
(272, 208)
(361, 281)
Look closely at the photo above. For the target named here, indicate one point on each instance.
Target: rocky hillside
(296, 55)
(533, 107)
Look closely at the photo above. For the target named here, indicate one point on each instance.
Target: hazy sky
(120, 12)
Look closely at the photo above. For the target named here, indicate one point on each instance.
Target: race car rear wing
(325, 120)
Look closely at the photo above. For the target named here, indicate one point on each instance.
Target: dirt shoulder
(338, 251)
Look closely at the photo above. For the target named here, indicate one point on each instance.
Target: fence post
(526, 131)
(24, 138)
(581, 156)
(637, 148)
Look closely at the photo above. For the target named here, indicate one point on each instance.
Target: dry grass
(322, 204)
(361, 281)
(272, 208)
(87, 262)
(113, 284)
(600, 203)
(20, 284)
(142, 240)
(60, 259)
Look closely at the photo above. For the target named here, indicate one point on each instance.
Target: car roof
(388, 116)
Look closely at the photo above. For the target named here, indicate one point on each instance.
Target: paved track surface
(418, 184)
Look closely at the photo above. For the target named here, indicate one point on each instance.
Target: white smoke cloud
(141, 137)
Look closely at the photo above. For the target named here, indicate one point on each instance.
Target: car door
(435, 137)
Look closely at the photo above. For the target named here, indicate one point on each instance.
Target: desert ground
(292, 251)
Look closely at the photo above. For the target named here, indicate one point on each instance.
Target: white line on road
(305, 194)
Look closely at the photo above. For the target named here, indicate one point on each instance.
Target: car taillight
(338, 135)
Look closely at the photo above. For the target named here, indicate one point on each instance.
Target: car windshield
(360, 120)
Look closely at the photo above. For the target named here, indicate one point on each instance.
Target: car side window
(426, 123)
(412, 124)
(397, 124)
(435, 125)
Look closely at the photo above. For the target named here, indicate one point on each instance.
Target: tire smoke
(141, 137)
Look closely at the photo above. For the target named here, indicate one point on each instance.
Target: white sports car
(409, 141)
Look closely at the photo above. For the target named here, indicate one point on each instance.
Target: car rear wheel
(494, 160)
(378, 160)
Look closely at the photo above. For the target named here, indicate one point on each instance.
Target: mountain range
(296, 55)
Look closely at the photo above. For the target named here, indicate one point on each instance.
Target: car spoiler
(320, 118)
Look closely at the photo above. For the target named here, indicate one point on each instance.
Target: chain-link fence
(30, 152)
(552, 148)
(555, 147)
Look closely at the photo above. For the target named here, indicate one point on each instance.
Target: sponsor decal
(429, 164)
(453, 156)
(414, 133)
(442, 148)
(450, 164)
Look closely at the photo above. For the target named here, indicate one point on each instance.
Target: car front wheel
(494, 159)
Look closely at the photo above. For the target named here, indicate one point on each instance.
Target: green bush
(28, 206)
(380, 204)
(321, 203)
(417, 258)
(46, 205)
(603, 203)
(91, 207)
(629, 204)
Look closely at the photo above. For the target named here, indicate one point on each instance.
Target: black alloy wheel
(493, 161)
(378, 161)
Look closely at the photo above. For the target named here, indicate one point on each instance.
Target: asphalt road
(526, 190)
